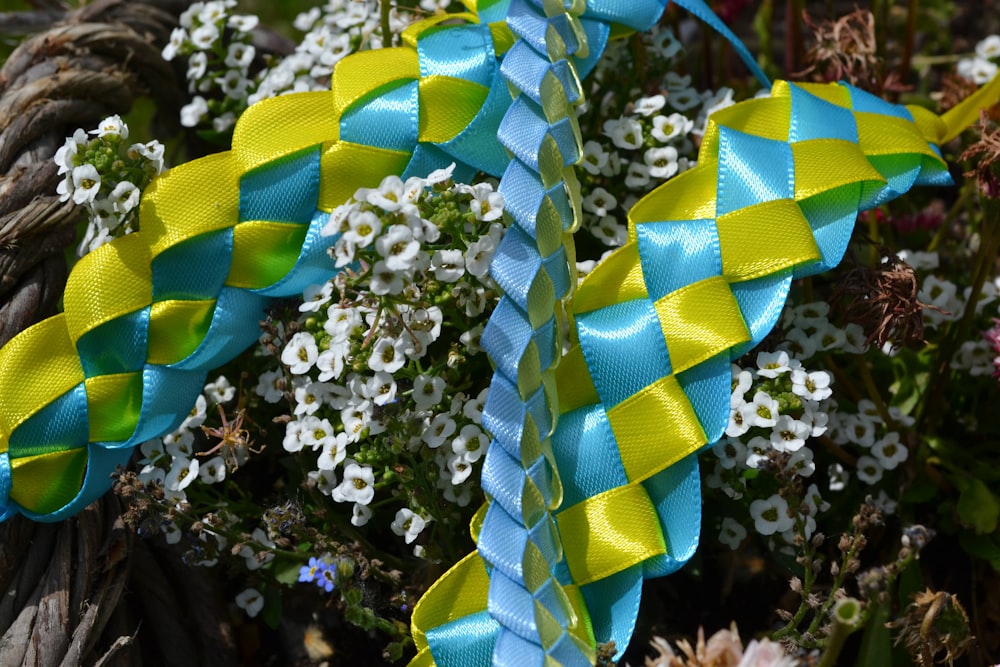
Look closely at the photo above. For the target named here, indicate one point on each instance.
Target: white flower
(220, 390)
(439, 429)
(647, 106)
(889, 451)
(250, 601)
(448, 265)
(212, 470)
(398, 247)
(757, 450)
(789, 435)
(182, 473)
(239, 56)
(193, 112)
(334, 452)
(731, 451)
(732, 533)
(470, 443)
(196, 417)
(360, 514)
(152, 451)
(407, 524)
(316, 432)
(683, 99)
(358, 485)
(666, 128)
(772, 364)
(801, 462)
(665, 45)
(315, 297)
(813, 386)
(594, 158)
(883, 502)
(177, 38)
(762, 411)
(224, 122)
(661, 162)
(242, 22)
(838, 476)
(765, 653)
(989, 47)
(309, 397)
(860, 430)
(738, 424)
(180, 443)
(387, 355)
(978, 70)
(943, 295)
(599, 202)
(292, 442)
(205, 36)
(300, 353)
(427, 391)
(86, 183)
(869, 470)
(270, 385)
(363, 227)
(460, 469)
(624, 132)
(124, 197)
(486, 204)
(112, 126)
(637, 175)
(473, 408)
(65, 156)
(771, 516)
(380, 388)
(234, 84)
(479, 255)
(741, 383)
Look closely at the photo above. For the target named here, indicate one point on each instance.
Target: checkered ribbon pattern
(591, 476)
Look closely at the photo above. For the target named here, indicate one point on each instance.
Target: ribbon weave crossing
(591, 477)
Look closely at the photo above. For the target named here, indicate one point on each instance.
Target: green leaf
(876, 643)
(286, 570)
(986, 547)
(977, 507)
(921, 491)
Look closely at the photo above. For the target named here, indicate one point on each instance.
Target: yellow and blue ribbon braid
(147, 315)
(591, 475)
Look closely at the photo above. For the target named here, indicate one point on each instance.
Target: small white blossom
(407, 524)
(358, 485)
(220, 390)
(762, 411)
(889, 451)
(300, 353)
(869, 470)
(250, 601)
(771, 515)
(732, 533)
(624, 132)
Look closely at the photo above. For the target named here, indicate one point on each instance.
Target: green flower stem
(873, 393)
(386, 7)
(845, 620)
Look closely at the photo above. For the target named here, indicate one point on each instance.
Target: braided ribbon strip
(592, 476)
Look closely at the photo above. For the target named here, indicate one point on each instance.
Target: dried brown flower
(883, 301)
(986, 153)
(932, 624)
(846, 50)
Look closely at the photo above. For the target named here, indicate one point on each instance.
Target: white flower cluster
(774, 410)
(868, 430)
(945, 302)
(217, 46)
(648, 144)
(172, 463)
(367, 392)
(982, 66)
(332, 32)
(107, 176)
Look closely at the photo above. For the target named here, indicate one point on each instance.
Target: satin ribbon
(591, 474)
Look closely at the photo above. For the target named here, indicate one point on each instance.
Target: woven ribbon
(591, 474)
